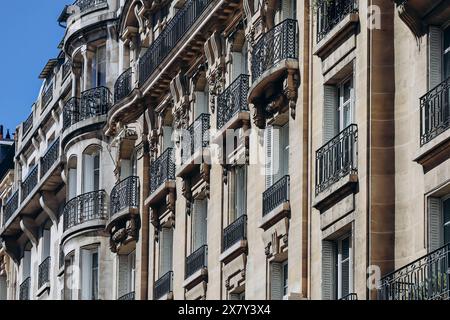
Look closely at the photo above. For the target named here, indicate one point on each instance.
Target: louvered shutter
(435, 56)
(330, 113)
(123, 275)
(268, 132)
(435, 227)
(276, 283)
(328, 270)
(277, 157)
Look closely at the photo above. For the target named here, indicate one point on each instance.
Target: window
(279, 281)
(165, 251)
(344, 273)
(3, 290)
(46, 241)
(277, 153)
(127, 274)
(201, 103)
(91, 174)
(237, 296)
(72, 185)
(239, 64)
(69, 277)
(89, 274)
(238, 192)
(26, 262)
(439, 222)
(167, 138)
(345, 106)
(199, 224)
(99, 67)
(287, 10)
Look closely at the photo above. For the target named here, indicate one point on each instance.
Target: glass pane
(285, 279)
(95, 276)
(345, 248)
(241, 192)
(347, 88)
(446, 221)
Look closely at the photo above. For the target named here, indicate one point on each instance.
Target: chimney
(1, 132)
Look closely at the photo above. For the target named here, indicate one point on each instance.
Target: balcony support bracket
(49, 205)
(30, 229)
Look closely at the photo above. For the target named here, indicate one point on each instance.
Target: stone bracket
(49, 205)
(30, 229)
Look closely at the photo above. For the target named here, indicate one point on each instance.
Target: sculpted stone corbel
(216, 62)
(49, 205)
(30, 229)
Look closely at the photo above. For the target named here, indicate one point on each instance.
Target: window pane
(285, 279)
(446, 208)
(95, 276)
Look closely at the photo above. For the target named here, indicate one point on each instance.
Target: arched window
(91, 169)
(72, 177)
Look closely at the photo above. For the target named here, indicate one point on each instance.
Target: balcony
(164, 287)
(232, 104)
(128, 297)
(89, 5)
(88, 211)
(176, 28)
(427, 278)
(123, 85)
(30, 182)
(276, 202)
(86, 113)
(162, 176)
(336, 166)
(330, 13)
(350, 297)
(196, 265)
(194, 142)
(12, 204)
(44, 274)
(27, 125)
(24, 290)
(50, 158)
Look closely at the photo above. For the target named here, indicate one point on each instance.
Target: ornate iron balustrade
(24, 290)
(125, 195)
(47, 97)
(278, 44)
(30, 182)
(87, 207)
(128, 297)
(123, 85)
(86, 5)
(163, 285)
(427, 278)
(337, 158)
(66, 69)
(331, 12)
(162, 170)
(233, 100)
(50, 157)
(176, 28)
(350, 297)
(235, 232)
(11, 207)
(27, 125)
(94, 102)
(198, 137)
(44, 273)
(197, 261)
(276, 195)
(435, 112)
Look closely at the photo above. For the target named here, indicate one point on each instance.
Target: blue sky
(30, 36)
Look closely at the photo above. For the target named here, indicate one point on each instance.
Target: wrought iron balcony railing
(176, 28)
(24, 290)
(278, 44)
(27, 125)
(162, 170)
(197, 261)
(235, 232)
(86, 5)
(87, 207)
(30, 182)
(427, 278)
(44, 272)
(50, 157)
(66, 69)
(124, 195)
(435, 112)
(11, 207)
(94, 102)
(276, 195)
(123, 85)
(47, 97)
(198, 137)
(163, 285)
(128, 297)
(331, 12)
(233, 100)
(337, 158)
(350, 297)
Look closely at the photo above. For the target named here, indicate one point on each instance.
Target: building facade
(226, 149)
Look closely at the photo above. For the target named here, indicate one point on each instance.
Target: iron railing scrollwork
(44, 272)
(128, 297)
(86, 5)
(176, 28)
(24, 290)
(276, 195)
(162, 170)
(11, 207)
(163, 285)
(50, 157)
(427, 278)
(124, 195)
(279, 43)
(30, 182)
(235, 232)
(27, 125)
(331, 12)
(337, 158)
(233, 100)
(87, 207)
(198, 138)
(435, 112)
(123, 85)
(197, 261)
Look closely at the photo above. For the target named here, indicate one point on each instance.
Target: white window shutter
(123, 275)
(435, 226)
(268, 132)
(277, 154)
(328, 270)
(435, 56)
(276, 281)
(330, 113)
